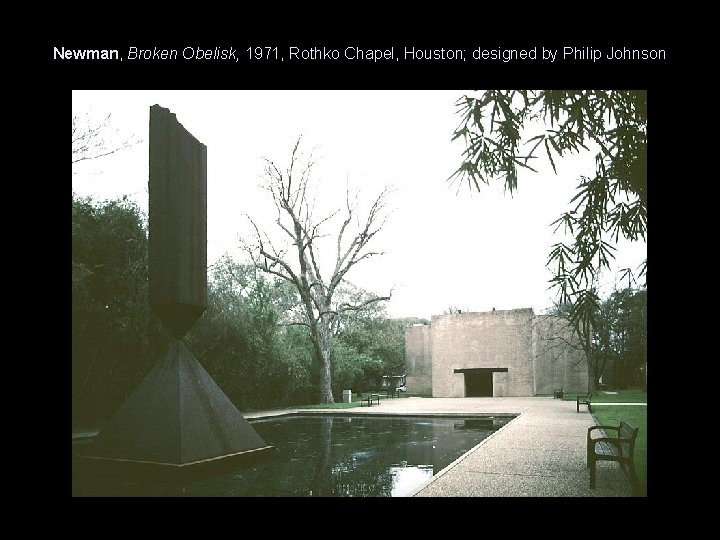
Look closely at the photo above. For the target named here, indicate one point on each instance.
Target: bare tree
(93, 139)
(298, 261)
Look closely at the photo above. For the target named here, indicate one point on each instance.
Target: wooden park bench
(558, 394)
(620, 448)
(370, 398)
(583, 399)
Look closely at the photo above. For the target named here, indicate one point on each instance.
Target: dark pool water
(328, 456)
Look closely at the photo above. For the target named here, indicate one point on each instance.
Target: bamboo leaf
(547, 149)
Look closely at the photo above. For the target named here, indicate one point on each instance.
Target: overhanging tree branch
(609, 203)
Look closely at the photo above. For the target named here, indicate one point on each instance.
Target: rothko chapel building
(495, 353)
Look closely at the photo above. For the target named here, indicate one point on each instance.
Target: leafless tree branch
(290, 194)
(295, 323)
(90, 140)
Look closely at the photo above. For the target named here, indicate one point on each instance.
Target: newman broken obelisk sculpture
(178, 416)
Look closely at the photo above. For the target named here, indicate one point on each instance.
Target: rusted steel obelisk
(178, 417)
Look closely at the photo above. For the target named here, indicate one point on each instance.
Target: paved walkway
(541, 453)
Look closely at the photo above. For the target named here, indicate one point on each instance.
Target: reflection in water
(481, 423)
(331, 456)
(323, 481)
(408, 477)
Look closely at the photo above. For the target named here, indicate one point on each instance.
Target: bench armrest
(593, 428)
(614, 441)
(602, 427)
(611, 440)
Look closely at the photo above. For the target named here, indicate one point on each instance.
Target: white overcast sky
(442, 247)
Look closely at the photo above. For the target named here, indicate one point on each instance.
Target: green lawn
(622, 396)
(634, 414)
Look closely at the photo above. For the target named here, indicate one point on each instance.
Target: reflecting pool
(328, 456)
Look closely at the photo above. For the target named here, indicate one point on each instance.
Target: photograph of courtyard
(427, 293)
